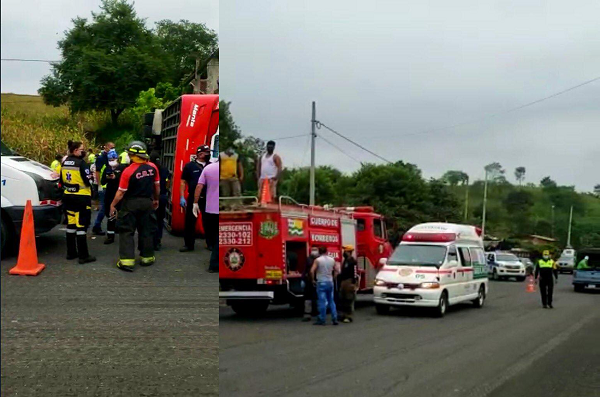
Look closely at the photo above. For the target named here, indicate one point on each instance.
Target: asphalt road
(94, 330)
(509, 348)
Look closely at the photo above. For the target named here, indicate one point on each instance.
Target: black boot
(110, 238)
(72, 246)
(84, 255)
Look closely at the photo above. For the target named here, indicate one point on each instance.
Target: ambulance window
(452, 256)
(477, 256)
(360, 225)
(490, 257)
(378, 228)
(465, 256)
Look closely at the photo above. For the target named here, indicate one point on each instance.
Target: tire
(7, 237)
(478, 303)
(521, 278)
(495, 276)
(250, 308)
(442, 306)
(578, 288)
(382, 309)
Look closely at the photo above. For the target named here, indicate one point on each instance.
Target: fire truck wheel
(250, 308)
(382, 309)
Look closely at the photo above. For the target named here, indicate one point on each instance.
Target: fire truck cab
(264, 249)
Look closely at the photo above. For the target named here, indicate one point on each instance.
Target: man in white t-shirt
(269, 169)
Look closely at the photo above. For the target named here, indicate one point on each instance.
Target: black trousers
(211, 229)
(136, 214)
(189, 233)
(160, 218)
(546, 289)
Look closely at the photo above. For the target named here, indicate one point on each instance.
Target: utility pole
(569, 234)
(467, 200)
(313, 135)
(484, 204)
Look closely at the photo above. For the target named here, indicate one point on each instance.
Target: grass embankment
(38, 131)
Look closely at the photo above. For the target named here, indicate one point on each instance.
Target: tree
(520, 174)
(453, 178)
(597, 190)
(185, 42)
(548, 183)
(494, 171)
(106, 62)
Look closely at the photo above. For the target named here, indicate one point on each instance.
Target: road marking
(487, 388)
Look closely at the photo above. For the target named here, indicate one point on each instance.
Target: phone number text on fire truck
(235, 234)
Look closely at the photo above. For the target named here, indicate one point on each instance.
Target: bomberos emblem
(234, 259)
(268, 229)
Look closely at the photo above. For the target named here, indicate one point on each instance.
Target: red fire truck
(263, 249)
(185, 124)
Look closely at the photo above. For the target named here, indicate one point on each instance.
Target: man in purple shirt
(210, 220)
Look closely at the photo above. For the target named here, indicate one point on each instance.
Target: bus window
(378, 228)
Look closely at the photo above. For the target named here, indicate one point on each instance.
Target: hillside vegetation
(39, 131)
(401, 193)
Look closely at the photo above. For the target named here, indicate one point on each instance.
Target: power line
(336, 147)
(319, 125)
(27, 60)
(289, 137)
(499, 113)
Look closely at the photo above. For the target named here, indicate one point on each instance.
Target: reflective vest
(73, 173)
(228, 166)
(55, 166)
(91, 158)
(549, 264)
(102, 173)
(124, 158)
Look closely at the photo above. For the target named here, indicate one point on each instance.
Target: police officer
(75, 178)
(165, 178)
(190, 176)
(546, 269)
(111, 176)
(139, 188)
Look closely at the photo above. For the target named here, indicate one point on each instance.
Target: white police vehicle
(503, 265)
(22, 180)
(436, 265)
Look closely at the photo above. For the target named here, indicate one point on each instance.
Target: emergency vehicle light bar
(429, 237)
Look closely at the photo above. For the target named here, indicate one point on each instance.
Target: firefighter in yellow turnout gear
(76, 177)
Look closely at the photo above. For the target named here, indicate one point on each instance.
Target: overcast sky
(380, 71)
(31, 30)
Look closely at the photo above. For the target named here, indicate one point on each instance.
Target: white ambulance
(436, 265)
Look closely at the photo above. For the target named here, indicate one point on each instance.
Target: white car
(436, 265)
(503, 265)
(24, 180)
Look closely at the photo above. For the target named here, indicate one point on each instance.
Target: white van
(436, 265)
(22, 180)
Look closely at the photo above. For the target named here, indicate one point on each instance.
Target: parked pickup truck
(588, 278)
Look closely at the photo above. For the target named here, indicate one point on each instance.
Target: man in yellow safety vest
(547, 272)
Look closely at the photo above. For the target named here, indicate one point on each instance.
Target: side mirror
(383, 262)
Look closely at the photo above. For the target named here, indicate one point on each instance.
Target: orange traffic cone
(27, 264)
(265, 194)
(530, 284)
